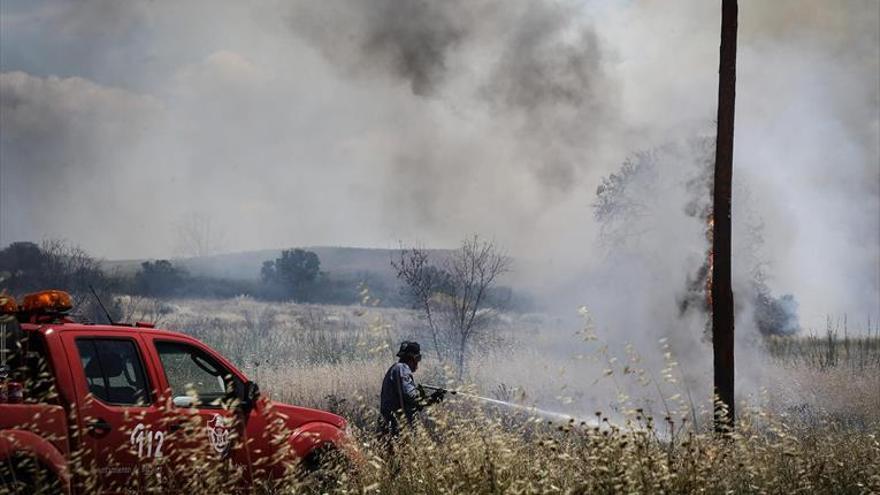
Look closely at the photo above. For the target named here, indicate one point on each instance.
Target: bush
(56, 264)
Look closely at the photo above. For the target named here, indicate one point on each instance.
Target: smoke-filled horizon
(365, 123)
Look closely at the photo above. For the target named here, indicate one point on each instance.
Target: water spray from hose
(534, 411)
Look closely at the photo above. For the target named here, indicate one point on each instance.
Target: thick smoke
(528, 75)
(410, 40)
(364, 123)
(551, 81)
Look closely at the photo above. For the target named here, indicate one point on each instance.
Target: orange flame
(710, 258)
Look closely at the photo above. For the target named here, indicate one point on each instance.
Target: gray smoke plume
(536, 68)
(367, 122)
(410, 39)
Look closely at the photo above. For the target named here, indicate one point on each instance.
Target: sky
(369, 123)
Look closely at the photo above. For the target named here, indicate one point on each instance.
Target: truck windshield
(193, 373)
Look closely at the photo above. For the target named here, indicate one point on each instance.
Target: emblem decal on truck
(218, 433)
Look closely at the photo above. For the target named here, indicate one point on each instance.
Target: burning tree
(635, 205)
(454, 296)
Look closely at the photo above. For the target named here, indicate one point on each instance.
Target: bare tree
(58, 264)
(422, 281)
(454, 296)
(68, 267)
(198, 236)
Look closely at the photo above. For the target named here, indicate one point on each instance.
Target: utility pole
(721, 291)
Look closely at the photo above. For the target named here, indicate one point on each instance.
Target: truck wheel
(26, 476)
(325, 468)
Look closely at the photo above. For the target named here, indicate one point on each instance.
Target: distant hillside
(246, 265)
(226, 275)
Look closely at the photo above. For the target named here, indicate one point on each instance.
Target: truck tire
(325, 468)
(26, 476)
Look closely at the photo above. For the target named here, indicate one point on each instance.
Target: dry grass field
(639, 424)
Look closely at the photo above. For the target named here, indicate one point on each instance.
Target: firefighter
(401, 398)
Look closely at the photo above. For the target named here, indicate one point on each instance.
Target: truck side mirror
(184, 401)
(250, 393)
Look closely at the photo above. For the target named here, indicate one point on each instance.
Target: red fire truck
(120, 408)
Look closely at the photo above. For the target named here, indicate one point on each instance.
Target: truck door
(118, 415)
(200, 391)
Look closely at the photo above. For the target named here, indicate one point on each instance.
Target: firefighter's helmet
(408, 348)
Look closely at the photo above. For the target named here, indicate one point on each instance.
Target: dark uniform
(401, 398)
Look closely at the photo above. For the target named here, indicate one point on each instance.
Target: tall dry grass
(826, 440)
(645, 446)
(833, 348)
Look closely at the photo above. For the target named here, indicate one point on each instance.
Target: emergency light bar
(47, 301)
(8, 306)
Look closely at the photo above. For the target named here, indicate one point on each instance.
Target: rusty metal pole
(722, 293)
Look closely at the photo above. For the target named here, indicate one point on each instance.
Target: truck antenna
(106, 313)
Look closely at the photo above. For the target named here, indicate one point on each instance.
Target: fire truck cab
(120, 408)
